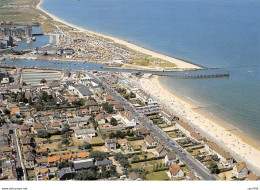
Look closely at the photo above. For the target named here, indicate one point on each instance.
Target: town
(99, 125)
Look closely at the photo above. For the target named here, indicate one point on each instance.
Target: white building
(85, 133)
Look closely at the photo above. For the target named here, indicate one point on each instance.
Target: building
(85, 133)
(42, 174)
(170, 158)
(135, 177)
(176, 171)
(78, 121)
(127, 119)
(111, 144)
(66, 174)
(252, 177)
(149, 140)
(168, 117)
(100, 119)
(83, 91)
(82, 164)
(240, 170)
(225, 158)
(107, 163)
(160, 150)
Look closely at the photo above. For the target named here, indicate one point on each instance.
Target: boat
(28, 41)
(33, 38)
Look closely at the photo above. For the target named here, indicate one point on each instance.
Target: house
(168, 117)
(108, 98)
(42, 174)
(78, 121)
(83, 91)
(197, 137)
(26, 141)
(41, 150)
(84, 112)
(82, 164)
(149, 141)
(118, 107)
(142, 132)
(56, 125)
(83, 155)
(240, 170)
(106, 162)
(160, 150)
(15, 111)
(29, 160)
(41, 161)
(94, 110)
(27, 149)
(191, 177)
(66, 174)
(111, 144)
(127, 119)
(7, 151)
(37, 127)
(91, 103)
(252, 177)
(85, 133)
(225, 158)
(53, 159)
(176, 171)
(100, 119)
(184, 127)
(133, 176)
(170, 158)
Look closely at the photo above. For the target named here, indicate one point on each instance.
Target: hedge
(225, 169)
(134, 138)
(148, 159)
(98, 144)
(161, 169)
(151, 147)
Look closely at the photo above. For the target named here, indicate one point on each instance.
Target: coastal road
(191, 162)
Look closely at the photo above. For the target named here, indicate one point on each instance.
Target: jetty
(194, 76)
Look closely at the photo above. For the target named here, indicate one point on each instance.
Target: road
(185, 157)
(20, 169)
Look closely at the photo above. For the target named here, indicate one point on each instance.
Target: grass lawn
(99, 148)
(31, 173)
(136, 165)
(135, 144)
(162, 175)
(96, 140)
(150, 155)
(55, 137)
(156, 161)
(53, 145)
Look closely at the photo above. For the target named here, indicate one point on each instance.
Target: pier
(193, 76)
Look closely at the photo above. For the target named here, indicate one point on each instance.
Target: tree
(63, 164)
(132, 95)
(113, 121)
(43, 81)
(43, 134)
(97, 155)
(84, 146)
(86, 175)
(65, 141)
(111, 135)
(80, 102)
(7, 112)
(215, 157)
(65, 129)
(135, 158)
(123, 160)
(107, 107)
(213, 168)
(44, 96)
(30, 101)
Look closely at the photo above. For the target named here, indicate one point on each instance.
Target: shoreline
(180, 64)
(218, 120)
(239, 145)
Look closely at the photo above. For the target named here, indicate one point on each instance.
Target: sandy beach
(241, 148)
(180, 64)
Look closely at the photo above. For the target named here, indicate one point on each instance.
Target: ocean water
(216, 33)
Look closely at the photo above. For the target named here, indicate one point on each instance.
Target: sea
(223, 34)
